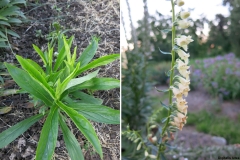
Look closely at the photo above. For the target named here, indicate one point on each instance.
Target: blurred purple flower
(226, 93)
(219, 58)
(237, 73)
(197, 61)
(214, 84)
(228, 71)
(197, 72)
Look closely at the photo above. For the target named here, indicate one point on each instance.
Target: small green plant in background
(10, 15)
(3, 91)
(157, 72)
(58, 92)
(56, 30)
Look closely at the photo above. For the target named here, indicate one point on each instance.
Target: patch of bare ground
(84, 19)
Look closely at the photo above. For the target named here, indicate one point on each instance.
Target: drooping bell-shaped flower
(182, 106)
(177, 93)
(183, 41)
(183, 80)
(177, 124)
(184, 89)
(182, 118)
(183, 55)
(183, 24)
(181, 65)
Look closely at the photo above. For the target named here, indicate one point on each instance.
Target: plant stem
(171, 75)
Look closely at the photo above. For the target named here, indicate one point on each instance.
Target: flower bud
(152, 156)
(154, 139)
(180, 3)
(146, 153)
(55, 54)
(184, 15)
(183, 24)
(136, 140)
(139, 146)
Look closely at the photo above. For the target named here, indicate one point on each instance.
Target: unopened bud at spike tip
(180, 3)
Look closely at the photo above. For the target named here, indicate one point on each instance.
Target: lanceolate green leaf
(99, 62)
(18, 2)
(5, 23)
(2, 35)
(97, 113)
(62, 52)
(14, 20)
(48, 137)
(4, 3)
(35, 65)
(80, 80)
(98, 84)
(63, 85)
(164, 52)
(26, 82)
(86, 98)
(84, 126)
(164, 105)
(54, 76)
(12, 33)
(33, 71)
(12, 133)
(40, 53)
(3, 45)
(89, 52)
(71, 142)
(9, 11)
(166, 30)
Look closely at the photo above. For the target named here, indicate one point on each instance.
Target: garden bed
(84, 19)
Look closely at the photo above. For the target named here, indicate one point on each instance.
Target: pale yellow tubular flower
(181, 65)
(184, 15)
(180, 3)
(183, 24)
(189, 39)
(177, 120)
(179, 99)
(182, 106)
(183, 41)
(184, 89)
(183, 80)
(178, 125)
(182, 117)
(183, 55)
(177, 92)
(185, 73)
